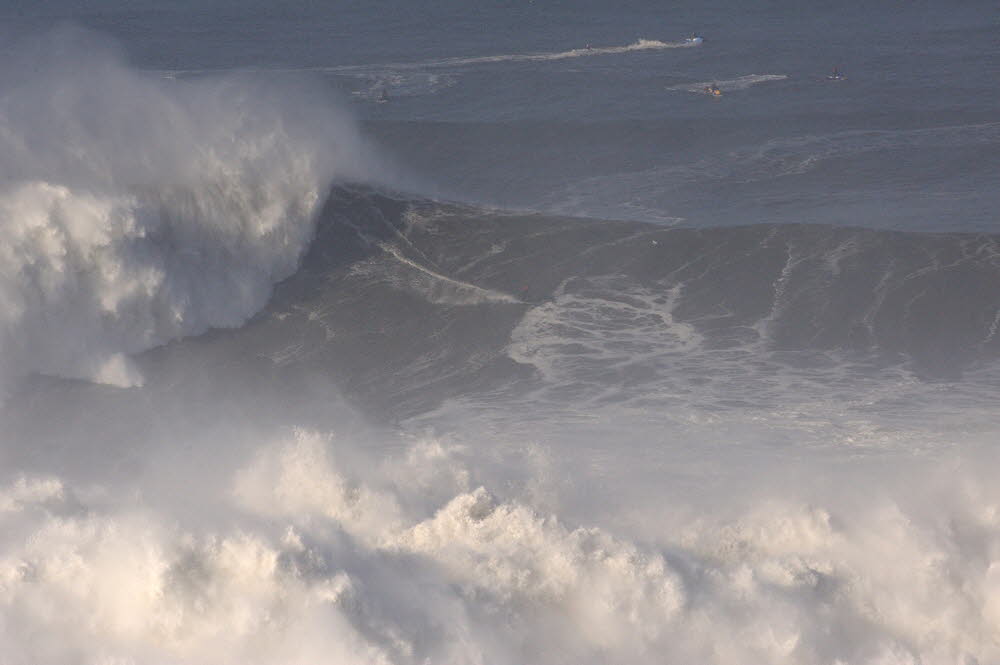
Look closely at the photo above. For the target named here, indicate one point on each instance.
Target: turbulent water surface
(477, 333)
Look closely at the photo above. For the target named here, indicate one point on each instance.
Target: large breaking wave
(229, 512)
(610, 442)
(135, 210)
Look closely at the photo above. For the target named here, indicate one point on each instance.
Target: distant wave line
(639, 45)
(590, 51)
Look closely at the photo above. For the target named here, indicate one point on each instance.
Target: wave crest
(135, 210)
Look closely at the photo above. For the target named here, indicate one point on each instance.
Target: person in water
(713, 89)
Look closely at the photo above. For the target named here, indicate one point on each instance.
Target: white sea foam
(383, 86)
(597, 329)
(318, 561)
(135, 210)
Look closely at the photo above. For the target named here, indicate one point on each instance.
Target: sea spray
(136, 209)
(315, 559)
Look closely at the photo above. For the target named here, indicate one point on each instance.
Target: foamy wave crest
(314, 562)
(135, 210)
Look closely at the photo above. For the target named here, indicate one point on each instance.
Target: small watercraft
(693, 40)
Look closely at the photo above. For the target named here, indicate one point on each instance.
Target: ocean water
(477, 333)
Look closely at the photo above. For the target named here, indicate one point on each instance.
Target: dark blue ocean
(482, 333)
(907, 140)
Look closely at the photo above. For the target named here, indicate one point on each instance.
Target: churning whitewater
(268, 398)
(135, 211)
(317, 565)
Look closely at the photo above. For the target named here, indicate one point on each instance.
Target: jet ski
(713, 90)
(836, 76)
(693, 40)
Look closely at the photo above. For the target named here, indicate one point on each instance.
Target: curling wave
(135, 210)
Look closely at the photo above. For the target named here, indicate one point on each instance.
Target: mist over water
(261, 409)
(137, 210)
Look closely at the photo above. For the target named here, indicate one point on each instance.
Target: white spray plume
(316, 562)
(136, 209)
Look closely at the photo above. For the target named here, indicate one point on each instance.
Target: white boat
(693, 40)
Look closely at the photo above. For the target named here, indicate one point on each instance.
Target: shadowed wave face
(882, 297)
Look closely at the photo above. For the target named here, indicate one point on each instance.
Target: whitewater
(506, 367)
(137, 211)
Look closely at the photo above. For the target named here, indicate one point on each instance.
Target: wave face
(920, 298)
(491, 522)
(134, 211)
